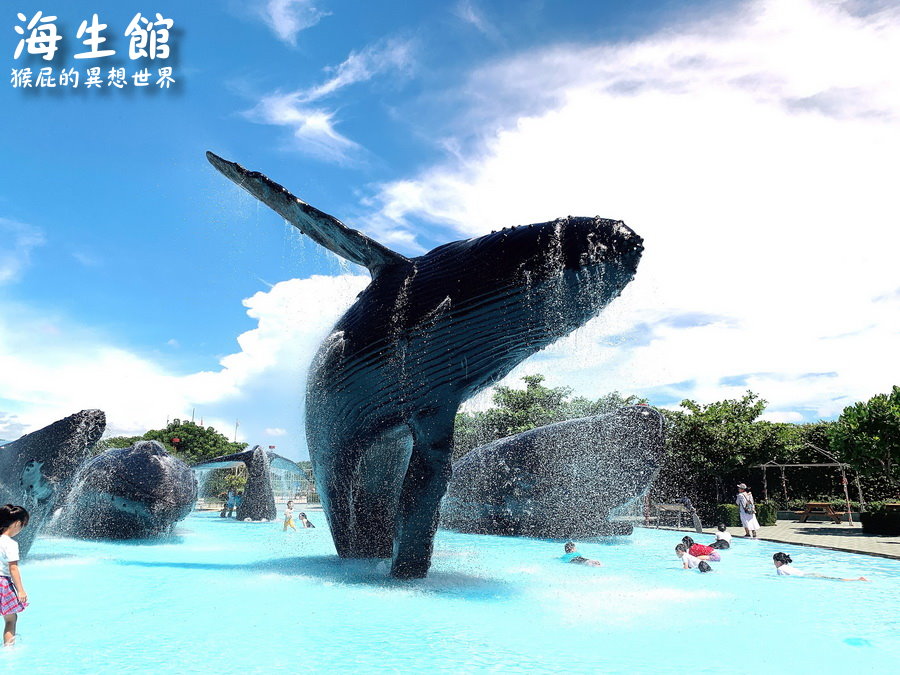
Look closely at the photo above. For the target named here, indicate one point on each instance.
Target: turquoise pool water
(227, 597)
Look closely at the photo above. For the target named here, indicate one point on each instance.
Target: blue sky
(749, 143)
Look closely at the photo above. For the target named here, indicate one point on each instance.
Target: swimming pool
(222, 596)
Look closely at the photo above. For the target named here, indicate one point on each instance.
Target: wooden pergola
(772, 464)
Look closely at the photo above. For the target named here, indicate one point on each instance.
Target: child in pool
(13, 598)
(289, 516)
(698, 550)
(304, 521)
(573, 556)
(688, 561)
(784, 567)
(722, 534)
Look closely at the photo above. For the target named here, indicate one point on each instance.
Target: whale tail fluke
(317, 225)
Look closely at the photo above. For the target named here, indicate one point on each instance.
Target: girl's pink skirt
(9, 600)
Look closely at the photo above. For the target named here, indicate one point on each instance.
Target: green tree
(867, 435)
(706, 442)
(193, 443)
(220, 481)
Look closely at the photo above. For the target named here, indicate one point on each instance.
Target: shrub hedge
(766, 514)
(879, 519)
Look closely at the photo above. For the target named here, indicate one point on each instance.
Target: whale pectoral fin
(424, 485)
(317, 225)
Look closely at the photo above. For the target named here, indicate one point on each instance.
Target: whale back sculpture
(558, 481)
(128, 493)
(36, 470)
(425, 335)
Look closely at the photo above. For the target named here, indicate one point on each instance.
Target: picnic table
(671, 508)
(821, 508)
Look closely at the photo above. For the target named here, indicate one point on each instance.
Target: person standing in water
(289, 516)
(13, 598)
(747, 510)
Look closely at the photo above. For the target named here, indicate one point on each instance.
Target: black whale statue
(258, 501)
(557, 481)
(428, 333)
(128, 493)
(36, 470)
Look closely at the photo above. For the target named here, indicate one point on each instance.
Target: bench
(677, 509)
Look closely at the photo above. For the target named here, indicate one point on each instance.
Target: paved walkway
(840, 537)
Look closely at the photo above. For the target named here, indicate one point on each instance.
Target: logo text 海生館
(94, 62)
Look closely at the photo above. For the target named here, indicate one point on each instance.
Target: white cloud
(51, 367)
(287, 18)
(277, 431)
(16, 243)
(313, 126)
(361, 66)
(468, 12)
(86, 258)
(11, 428)
(754, 152)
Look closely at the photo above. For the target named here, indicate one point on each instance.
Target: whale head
(129, 492)
(537, 283)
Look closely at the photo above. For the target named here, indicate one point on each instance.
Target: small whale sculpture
(128, 493)
(258, 501)
(558, 481)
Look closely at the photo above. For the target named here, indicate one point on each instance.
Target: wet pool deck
(839, 537)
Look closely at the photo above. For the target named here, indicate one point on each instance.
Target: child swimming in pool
(573, 556)
(784, 567)
(304, 521)
(13, 598)
(289, 517)
(688, 561)
(698, 550)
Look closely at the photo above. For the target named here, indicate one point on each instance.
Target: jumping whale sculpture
(425, 335)
(258, 502)
(128, 493)
(557, 481)
(37, 469)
